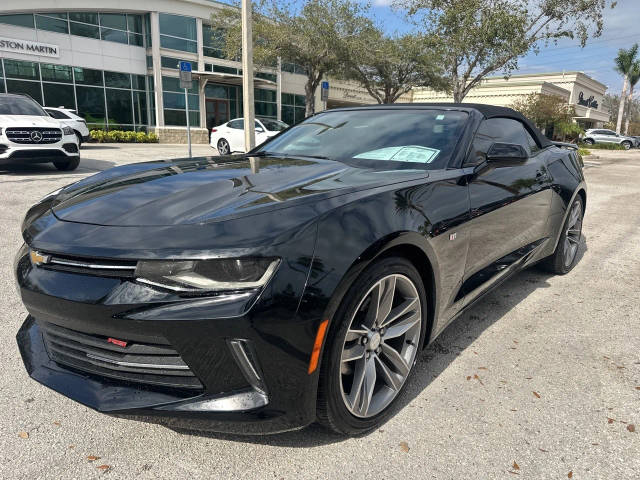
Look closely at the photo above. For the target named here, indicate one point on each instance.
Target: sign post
(186, 83)
(324, 94)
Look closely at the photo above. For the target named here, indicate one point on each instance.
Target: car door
(607, 136)
(236, 135)
(509, 201)
(261, 133)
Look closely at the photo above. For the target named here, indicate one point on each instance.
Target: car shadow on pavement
(433, 360)
(87, 165)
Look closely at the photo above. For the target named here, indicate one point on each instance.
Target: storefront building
(576, 88)
(117, 65)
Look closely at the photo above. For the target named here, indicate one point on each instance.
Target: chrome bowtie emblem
(36, 136)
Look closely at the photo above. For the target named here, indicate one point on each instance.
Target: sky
(621, 30)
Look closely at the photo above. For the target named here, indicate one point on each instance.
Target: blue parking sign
(185, 66)
(325, 85)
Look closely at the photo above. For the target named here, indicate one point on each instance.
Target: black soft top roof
(488, 111)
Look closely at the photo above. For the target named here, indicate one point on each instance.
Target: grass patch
(604, 146)
(583, 152)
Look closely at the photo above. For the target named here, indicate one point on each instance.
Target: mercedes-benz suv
(29, 135)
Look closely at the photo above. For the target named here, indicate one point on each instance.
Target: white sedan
(229, 137)
(69, 118)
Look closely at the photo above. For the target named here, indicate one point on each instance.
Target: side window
(492, 130)
(237, 124)
(533, 146)
(57, 114)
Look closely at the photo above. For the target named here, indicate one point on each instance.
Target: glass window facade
(293, 108)
(212, 42)
(174, 103)
(107, 100)
(112, 27)
(178, 33)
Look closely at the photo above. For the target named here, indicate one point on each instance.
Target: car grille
(30, 135)
(148, 363)
(91, 266)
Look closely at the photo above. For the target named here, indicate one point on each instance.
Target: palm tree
(634, 76)
(624, 64)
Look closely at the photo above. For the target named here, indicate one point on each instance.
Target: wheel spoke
(353, 353)
(374, 303)
(395, 359)
(572, 239)
(573, 231)
(368, 385)
(354, 335)
(356, 386)
(388, 289)
(400, 310)
(401, 327)
(388, 376)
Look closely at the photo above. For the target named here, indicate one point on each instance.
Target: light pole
(247, 77)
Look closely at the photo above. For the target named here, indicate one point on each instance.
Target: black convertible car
(261, 292)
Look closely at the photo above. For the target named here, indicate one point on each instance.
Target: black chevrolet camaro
(259, 293)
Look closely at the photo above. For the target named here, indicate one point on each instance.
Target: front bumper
(202, 330)
(16, 153)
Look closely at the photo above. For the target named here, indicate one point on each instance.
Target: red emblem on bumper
(115, 341)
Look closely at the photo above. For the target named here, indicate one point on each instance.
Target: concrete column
(247, 76)
(202, 81)
(157, 67)
(279, 89)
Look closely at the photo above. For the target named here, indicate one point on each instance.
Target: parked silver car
(601, 135)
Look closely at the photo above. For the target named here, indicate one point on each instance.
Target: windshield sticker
(440, 117)
(408, 153)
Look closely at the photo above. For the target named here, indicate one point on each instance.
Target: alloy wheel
(574, 233)
(380, 345)
(223, 147)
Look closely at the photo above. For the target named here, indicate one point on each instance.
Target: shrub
(583, 152)
(120, 136)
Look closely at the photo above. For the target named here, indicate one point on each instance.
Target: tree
(549, 112)
(316, 36)
(485, 36)
(624, 64)
(634, 76)
(388, 67)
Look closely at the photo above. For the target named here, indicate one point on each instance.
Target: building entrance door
(217, 112)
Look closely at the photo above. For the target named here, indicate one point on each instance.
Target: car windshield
(273, 125)
(420, 138)
(20, 106)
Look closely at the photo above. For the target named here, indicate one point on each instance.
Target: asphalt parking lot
(540, 380)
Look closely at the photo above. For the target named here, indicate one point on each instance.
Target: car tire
(223, 147)
(566, 254)
(391, 358)
(626, 145)
(67, 165)
(589, 141)
(79, 137)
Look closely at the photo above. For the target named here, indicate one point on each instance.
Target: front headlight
(213, 275)
(68, 131)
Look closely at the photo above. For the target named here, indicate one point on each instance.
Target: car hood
(28, 121)
(206, 189)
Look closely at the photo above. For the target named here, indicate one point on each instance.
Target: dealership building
(117, 65)
(578, 89)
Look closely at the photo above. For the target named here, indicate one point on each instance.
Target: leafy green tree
(624, 65)
(485, 36)
(316, 36)
(388, 67)
(549, 112)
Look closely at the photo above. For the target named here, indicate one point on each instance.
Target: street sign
(324, 92)
(185, 74)
(185, 82)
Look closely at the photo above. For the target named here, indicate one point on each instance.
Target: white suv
(602, 135)
(69, 118)
(29, 135)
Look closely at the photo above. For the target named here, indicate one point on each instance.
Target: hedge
(605, 146)
(121, 136)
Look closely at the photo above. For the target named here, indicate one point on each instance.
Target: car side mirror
(259, 130)
(505, 152)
